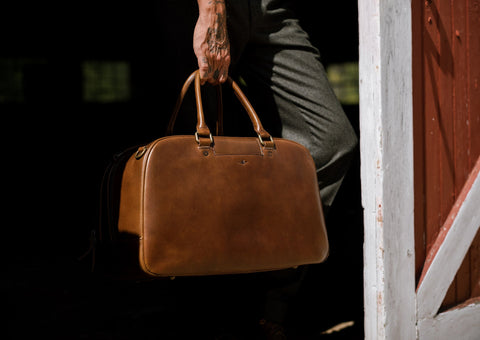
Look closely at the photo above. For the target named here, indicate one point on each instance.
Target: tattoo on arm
(217, 38)
(216, 41)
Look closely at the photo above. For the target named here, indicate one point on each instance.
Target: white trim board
(386, 149)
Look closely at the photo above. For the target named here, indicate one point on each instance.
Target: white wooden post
(386, 146)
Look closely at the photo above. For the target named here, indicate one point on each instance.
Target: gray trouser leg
(285, 77)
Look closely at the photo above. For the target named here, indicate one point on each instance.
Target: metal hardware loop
(197, 138)
(263, 143)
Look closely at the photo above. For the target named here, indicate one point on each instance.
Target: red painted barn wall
(446, 96)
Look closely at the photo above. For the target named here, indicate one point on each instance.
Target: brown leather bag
(204, 205)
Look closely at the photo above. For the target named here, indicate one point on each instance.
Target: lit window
(344, 80)
(106, 81)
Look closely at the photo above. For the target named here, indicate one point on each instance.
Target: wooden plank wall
(446, 100)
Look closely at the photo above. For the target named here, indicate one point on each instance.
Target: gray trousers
(288, 87)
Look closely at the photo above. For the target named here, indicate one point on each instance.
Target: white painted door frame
(386, 147)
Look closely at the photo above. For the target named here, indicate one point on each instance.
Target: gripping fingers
(213, 71)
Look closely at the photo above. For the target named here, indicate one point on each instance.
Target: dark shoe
(272, 330)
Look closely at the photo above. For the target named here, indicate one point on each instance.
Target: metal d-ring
(140, 152)
(263, 143)
(197, 138)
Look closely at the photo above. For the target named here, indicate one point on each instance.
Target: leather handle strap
(174, 115)
(202, 128)
(179, 102)
(257, 124)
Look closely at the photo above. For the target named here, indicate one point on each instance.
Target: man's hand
(210, 41)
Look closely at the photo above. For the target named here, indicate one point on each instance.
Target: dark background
(56, 146)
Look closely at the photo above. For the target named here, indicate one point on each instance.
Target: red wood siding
(446, 77)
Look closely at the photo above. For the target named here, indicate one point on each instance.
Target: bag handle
(180, 98)
(203, 134)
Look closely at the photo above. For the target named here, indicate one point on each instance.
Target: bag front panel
(233, 208)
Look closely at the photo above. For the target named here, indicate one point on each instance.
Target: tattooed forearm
(217, 38)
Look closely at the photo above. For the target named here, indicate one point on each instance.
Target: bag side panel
(110, 195)
(130, 218)
(131, 197)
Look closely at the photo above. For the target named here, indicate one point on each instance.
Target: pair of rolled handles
(203, 134)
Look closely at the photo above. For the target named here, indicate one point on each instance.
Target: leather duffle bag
(199, 204)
